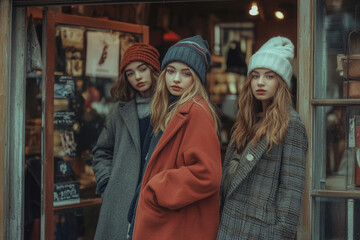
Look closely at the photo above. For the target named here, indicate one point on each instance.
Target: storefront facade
(327, 101)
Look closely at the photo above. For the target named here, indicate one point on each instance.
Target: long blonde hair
(162, 110)
(122, 89)
(274, 123)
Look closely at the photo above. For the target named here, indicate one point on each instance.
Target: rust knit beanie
(141, 52)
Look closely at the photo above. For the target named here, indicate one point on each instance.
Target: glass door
(83, 56)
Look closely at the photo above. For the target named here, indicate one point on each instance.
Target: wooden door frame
(305, 90)
(12, 127)
(5, 52)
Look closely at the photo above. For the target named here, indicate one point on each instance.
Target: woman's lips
(260, 91)
(176, 88)
(140, 84)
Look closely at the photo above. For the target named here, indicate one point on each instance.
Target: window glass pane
(335, 19)
(336, 218)
(76, 223)
(337, 148)
(87, 64)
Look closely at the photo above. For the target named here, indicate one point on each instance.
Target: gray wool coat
(264, 199)
(117, 157)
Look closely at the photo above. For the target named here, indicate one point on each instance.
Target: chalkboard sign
(64, 120)
(66, 193)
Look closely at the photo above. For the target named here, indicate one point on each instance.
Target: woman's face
(178, 78)
(264, 84)
(139, 76)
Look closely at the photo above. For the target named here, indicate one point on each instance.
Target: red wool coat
(179, 197)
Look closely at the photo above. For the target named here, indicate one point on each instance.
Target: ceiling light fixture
(279, 15)
(254, 10)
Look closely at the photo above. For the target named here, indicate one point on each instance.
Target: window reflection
(337, 139)
(82, 101)
(76, 223)
(337, 218)
(332, 31)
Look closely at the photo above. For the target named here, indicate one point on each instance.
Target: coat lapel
(177, 121)
(174, 125)
(128, 114)
(247, 162)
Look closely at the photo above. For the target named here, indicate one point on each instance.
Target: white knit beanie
(275, 55)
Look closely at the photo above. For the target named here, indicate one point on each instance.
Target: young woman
(264, 166)
(119, 154)
(179, 195)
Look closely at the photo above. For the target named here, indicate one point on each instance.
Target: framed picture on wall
(102, 54)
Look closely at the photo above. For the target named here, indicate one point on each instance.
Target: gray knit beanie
(192, 51)
(275, 55)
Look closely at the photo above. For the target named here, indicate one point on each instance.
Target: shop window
(337, 137)
(87, 64)
(334, 45)
(76, 223)
(233, 44)
(336, 130)
(83, 57)
(336, 218)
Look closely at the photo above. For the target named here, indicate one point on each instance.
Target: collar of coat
(176, 122)
(127, 111)
(185, 108)
(179, 119)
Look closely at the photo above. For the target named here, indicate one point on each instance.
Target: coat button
(249, 157)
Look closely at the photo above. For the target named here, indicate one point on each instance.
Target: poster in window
(65, 144)
(64, 87)
(68, 143)
(102, 54)
(72, 38)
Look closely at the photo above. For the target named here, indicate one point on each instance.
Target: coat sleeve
(103, 156)
(291, 182)
(200, 177)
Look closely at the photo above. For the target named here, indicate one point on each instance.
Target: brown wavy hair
(122, 90)
(274, 123)
(161, 109)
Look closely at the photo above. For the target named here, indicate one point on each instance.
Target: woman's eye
(187, 74)
(170, 71)
(129, 74)
(254, 76)
(143, 69)
(270, 76)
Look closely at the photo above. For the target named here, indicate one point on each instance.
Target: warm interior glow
(279, 15)
(254, 10)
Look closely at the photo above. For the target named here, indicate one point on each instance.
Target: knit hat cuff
(186, 55)
(141, 52)
(145, 57)
(272, 61)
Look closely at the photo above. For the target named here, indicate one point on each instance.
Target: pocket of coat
(260, 220)
(151, 202)
(261, 215)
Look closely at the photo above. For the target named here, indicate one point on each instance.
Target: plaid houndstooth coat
(265, 195)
